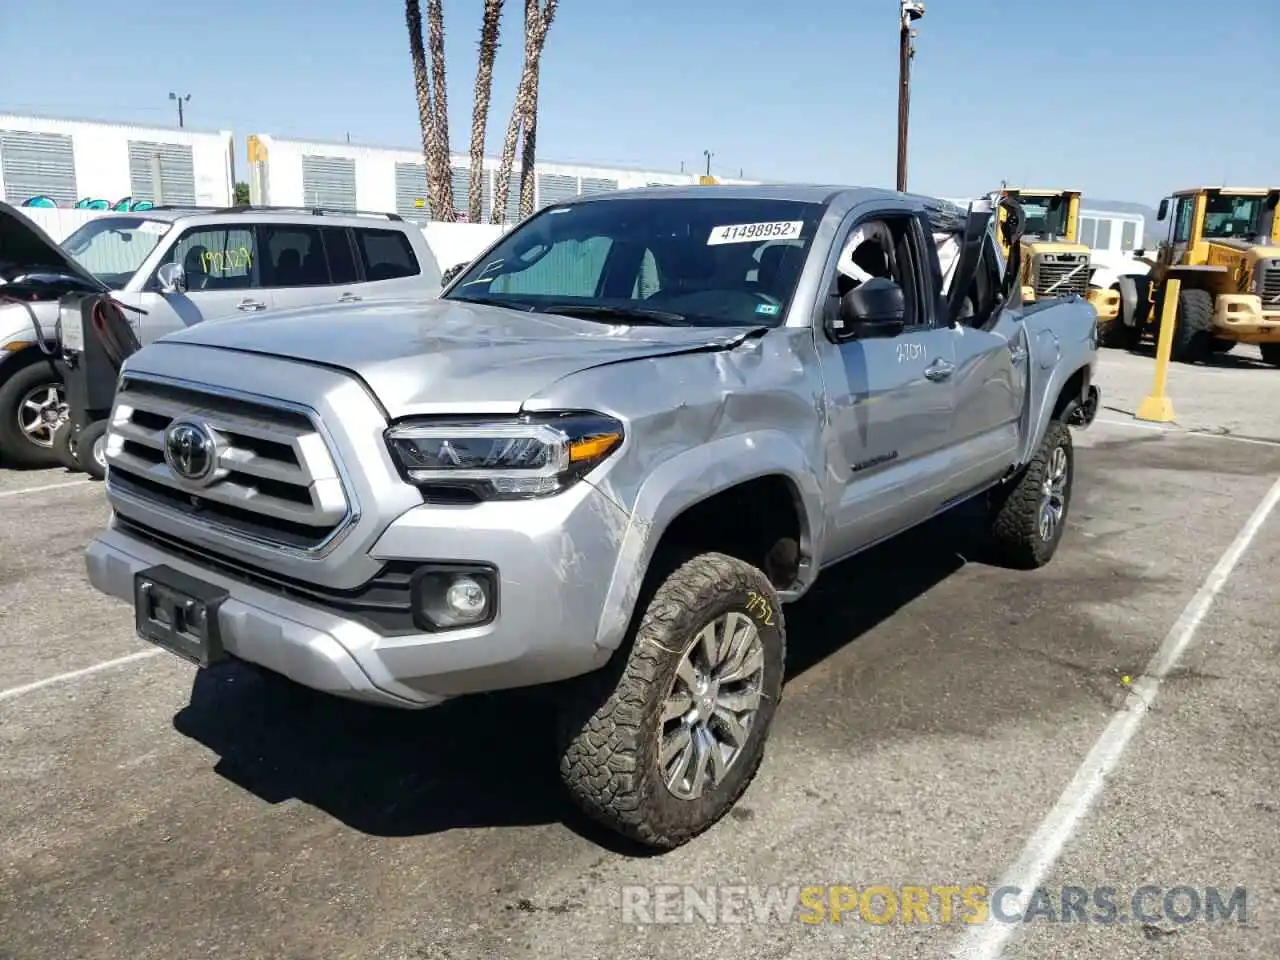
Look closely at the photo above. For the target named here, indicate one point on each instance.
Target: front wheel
(32, 405)
(1030, 512)
(660, 745)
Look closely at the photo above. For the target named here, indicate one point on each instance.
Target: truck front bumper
(548, 606)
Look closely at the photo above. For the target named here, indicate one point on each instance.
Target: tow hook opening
(1081, 413)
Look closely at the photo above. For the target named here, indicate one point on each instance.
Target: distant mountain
(1120, 206)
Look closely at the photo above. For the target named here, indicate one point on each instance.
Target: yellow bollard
(1157, 405)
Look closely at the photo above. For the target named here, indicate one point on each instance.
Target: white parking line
(43, 488)
(1046, 845)
(1136, 425)
(77, 674)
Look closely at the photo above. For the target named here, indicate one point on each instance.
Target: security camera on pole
(910, 12)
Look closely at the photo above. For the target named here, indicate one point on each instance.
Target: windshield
(1227, 216)
(698, 261)
(1046, 216)
(113, 248)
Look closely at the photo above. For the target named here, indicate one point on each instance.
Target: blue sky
(1107, 90)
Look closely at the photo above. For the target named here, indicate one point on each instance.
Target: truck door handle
(248, 305)
(349, 298)
(939, 370)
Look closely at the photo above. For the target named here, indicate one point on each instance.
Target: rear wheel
(1029, 513)
(91, 449)
(64, 445)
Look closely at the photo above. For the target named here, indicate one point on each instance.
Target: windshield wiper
(493, 302)
(636, 314)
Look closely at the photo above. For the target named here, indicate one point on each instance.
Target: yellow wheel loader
(1223, 243)
(1054, 261)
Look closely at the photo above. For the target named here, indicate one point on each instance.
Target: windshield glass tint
(1046, 216)
(708, 261)
(112, 248)
(1232, 217)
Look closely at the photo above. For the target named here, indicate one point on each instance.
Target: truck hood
(27, 249)
(447, 356)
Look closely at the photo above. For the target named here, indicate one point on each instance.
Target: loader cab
(1200, 219)
(1054, 263)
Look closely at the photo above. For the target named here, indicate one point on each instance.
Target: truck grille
(1053, 270)
(271, 480)
(1269, 287)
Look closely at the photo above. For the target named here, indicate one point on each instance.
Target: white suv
(179, 266)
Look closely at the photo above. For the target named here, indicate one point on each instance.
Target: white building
(310, 173)
(69, 161)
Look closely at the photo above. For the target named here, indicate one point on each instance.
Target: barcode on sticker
(746, 232)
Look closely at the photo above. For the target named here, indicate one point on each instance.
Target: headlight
(531, 456)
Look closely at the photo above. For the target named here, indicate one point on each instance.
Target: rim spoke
(674, 745)
(751, 662)
(686, 674)
(739, 701)
(704, 745)
(710, 642)
(677, 705)
(719, 765)
(732, 726)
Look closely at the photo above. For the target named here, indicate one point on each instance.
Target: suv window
(337, 249)
(386, 254)
(293, 256)
(216, 258)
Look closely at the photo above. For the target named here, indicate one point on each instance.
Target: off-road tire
(1270, 353)
(16, 450)
(1015, 508)
(1192, 339)
(609, 727)
(91, 436)
(1221, 346)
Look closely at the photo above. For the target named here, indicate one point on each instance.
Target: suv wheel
(1030, 512)
(659, 745)
(32, 405)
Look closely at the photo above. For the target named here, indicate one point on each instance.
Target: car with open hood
(172, 267)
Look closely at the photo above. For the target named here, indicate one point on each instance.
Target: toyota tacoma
(604, 460)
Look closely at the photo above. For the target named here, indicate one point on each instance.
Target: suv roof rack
(315, 211)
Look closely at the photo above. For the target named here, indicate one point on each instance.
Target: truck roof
(1236, 191)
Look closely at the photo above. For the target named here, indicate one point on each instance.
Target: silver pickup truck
(620, 442)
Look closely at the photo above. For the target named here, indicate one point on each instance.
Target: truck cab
(1054, 261)
(1223, 244)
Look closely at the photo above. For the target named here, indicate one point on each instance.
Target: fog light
(466, 598)
(450, 598)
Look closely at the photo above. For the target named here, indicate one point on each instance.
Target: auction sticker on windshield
(746, 232)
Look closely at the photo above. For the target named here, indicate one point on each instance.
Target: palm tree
(440, 156)
(489, 30)
(426, 115)
(537, 21)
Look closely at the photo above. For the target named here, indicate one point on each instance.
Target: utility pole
(909, 12)
(180, 101)
(708, 154)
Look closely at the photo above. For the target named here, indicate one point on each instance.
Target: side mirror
(447, 277)
(876, 308)
(172, 278)
(1164, 209)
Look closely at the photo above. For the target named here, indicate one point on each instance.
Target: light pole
(909, 12)
(180, 101)
(708, 154)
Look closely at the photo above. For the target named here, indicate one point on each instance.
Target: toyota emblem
(190, 450)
